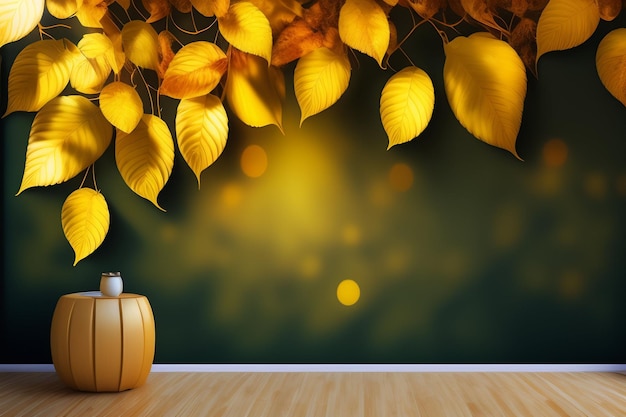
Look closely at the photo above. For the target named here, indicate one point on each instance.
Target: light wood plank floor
(589, 394)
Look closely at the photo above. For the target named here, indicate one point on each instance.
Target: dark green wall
(484, 259)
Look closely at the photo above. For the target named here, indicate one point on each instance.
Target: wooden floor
(314, 394)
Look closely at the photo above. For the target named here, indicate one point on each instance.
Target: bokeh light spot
(571, 285)
(595, 185)
(555, 153)
(231, 195)
(401, 177)
(310, 267)
(348, 292)
(254, 161)
(351, 235)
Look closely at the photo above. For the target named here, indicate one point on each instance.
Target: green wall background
(484, 259)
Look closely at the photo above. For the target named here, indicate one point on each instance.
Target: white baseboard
(621, 368)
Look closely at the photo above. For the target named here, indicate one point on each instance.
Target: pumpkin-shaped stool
(100, 342)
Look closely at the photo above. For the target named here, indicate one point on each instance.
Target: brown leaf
(517, 7)
(166, 54)
(426, 8)
(296, 40)
(183, 6)
(609, 9)
(523, 40)
(482, 12)
(536, 5)
(317, 27)
(158, 9)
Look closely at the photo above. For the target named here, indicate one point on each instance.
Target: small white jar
(111, 284)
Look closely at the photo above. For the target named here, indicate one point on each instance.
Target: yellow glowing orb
(401, 177)
(254, 161)
(348, 292)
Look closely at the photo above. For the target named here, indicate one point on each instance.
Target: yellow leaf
(564, 24)
(145, 157)
(363, 26)
(67, 135)
(91, 12)
(279, 12)
(195, 70)
(89, 75)
(211, 7)
(158, 9)
(320, 79)
(201, 131)
(94, 45)
(406, 105)
(246, 28)
(91, 68)
(141, 44)
(40, 72)
(485, 82)
(97, 45)
(124, 3)
(85, 220)
(18, 18)
(611, 63)
(252, 91)
(62, 9)
(121, 105)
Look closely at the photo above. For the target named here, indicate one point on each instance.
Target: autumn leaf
(320, 79)
(481, 11)
(195, 70)
(85, 221)
(565, 24)
(611, 63)
(121, 105)
(91, 68)
(211, 7)
(91, 12)
(295, 41)
(363, 26)
(609, 9)
(406, 105)
(141, 44)
(485, 82)
(166, 53)
(201, 131)
(117, 58)
(40, 72)
(145, 157)
(523, 41)
(426, 8)
(246, 28)
(67, 135)
(252, 90)
(158, 9)
(280, 13)
(62, 9)
(18, 18)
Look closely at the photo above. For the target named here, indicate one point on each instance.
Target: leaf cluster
(133, 52)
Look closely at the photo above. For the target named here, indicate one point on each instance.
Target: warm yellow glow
(554, 153)
(351, 235)
(348, 292)
(231, 195)
(401, 177)
(254, 161)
